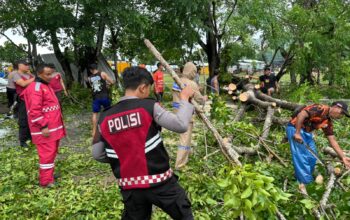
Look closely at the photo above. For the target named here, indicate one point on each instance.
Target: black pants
(24, 132)
(11, 93)
(170, 197)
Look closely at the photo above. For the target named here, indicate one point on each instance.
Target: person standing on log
(45, 122)
(187, 77)
(22, 79)
(57, 83)
(158, 77)
(129, 138)
(268, 82)
(299, 136)
(98, 81)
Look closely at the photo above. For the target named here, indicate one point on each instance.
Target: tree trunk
(61, 58)
(240, 112)
(293, 78)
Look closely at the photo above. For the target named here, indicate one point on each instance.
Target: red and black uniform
(44, 111)
(138, 159)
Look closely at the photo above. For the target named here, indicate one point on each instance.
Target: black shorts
(170, 197)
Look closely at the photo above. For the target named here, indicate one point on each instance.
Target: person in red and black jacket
(299, 134)
(45, 122)
(129, 138)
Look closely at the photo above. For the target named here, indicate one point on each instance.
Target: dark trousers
(159, 96)
(11, 94)
(24, 132)
(170, 197)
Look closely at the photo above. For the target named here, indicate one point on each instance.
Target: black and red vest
(134, 145)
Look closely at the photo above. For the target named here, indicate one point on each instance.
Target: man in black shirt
(98, 81)
(268, 82)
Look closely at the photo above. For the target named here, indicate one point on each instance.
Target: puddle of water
(3, 132)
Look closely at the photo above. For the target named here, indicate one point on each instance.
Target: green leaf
(246, 193)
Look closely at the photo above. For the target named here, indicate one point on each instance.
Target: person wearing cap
(268, 82)
(299, 133)
(22, 79)
(98, 81)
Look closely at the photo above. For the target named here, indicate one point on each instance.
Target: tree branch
(13, 43)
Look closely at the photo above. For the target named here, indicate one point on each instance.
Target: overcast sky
(19, 39)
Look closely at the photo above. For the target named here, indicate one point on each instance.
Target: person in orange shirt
(299, 133)
(158, 77)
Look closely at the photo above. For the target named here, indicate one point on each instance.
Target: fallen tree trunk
(240, 112)
(280, 103)
(249, 97)
(268, 122)
(275, 120)
(329, 187)
(231, 155)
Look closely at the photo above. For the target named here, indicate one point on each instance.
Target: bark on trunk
(240, 112)
(268, 122)
(249, 97)
(61, 58)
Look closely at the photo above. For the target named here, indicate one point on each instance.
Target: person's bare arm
(64, 87)
(299, 123)
(107, 78)
(334, 144)
(24, 83)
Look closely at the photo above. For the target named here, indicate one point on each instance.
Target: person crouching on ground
(129, 138)
(299, 135)
(187, 77)
(45, 122)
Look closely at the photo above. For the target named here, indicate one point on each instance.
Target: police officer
(129, 138)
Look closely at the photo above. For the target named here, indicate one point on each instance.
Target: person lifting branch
(300, 137)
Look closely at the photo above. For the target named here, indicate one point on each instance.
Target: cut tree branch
(231, 155)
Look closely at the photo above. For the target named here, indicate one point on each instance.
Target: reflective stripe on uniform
(150, 145)
(50, 130)
(37, 119)
(47, 166)
(153, 143)
(37, 86)
(143, 180)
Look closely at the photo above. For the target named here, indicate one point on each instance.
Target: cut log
(249, 97)
(240, 112)
(268, 122)
(230, 92)
(257, 87)
(232, 87)
(230, 154)
(234, 98)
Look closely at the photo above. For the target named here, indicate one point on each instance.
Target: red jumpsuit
(43, 111)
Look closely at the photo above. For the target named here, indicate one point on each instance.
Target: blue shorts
(97, 103)
(303, 161)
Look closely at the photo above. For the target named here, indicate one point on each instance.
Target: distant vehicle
(247, 65)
